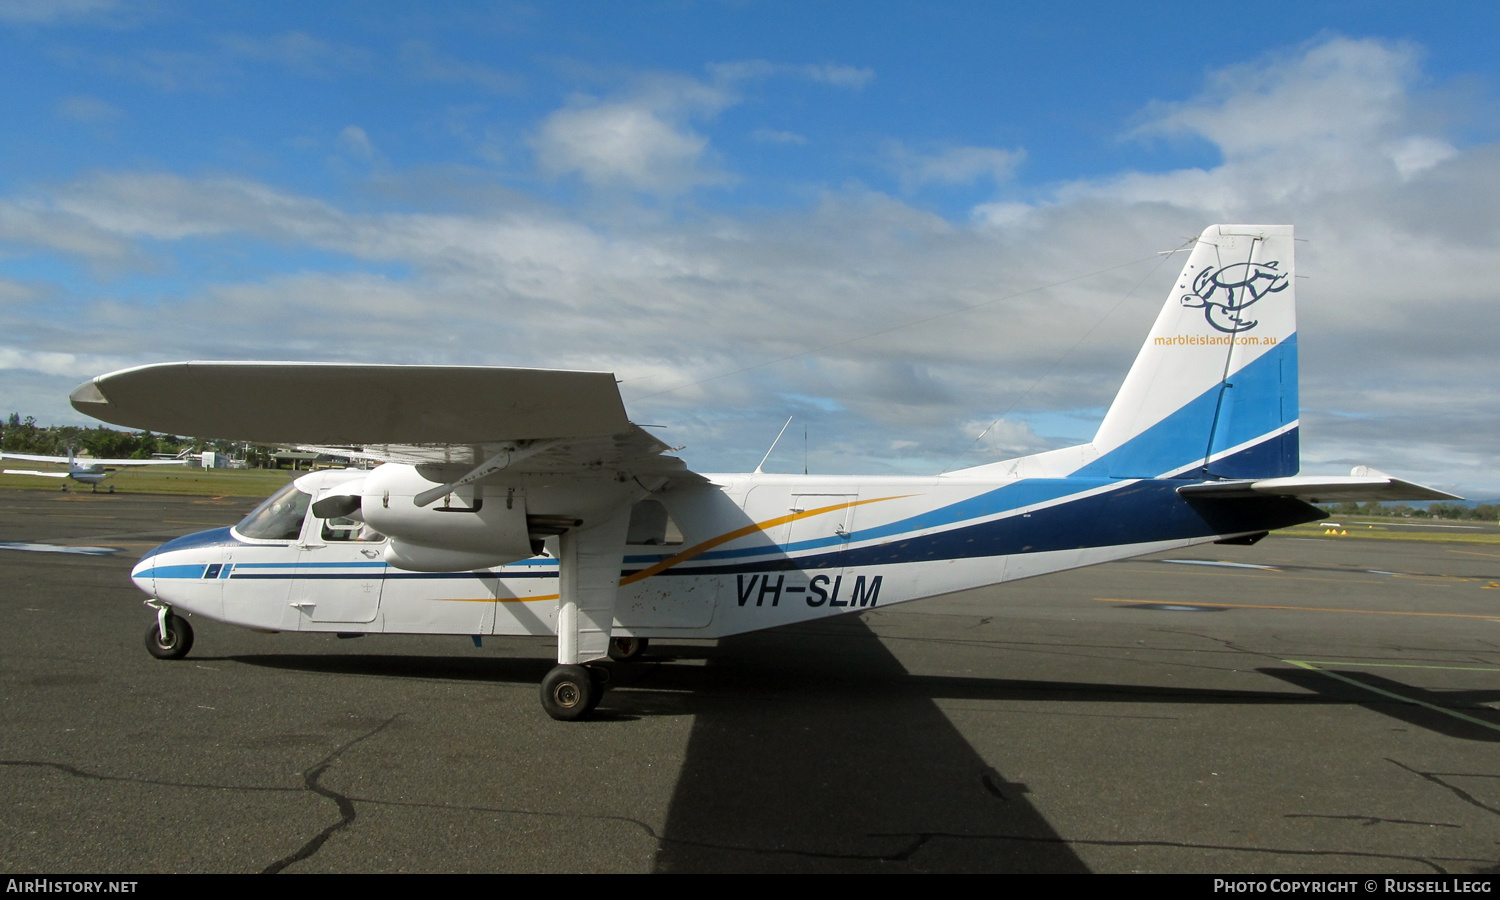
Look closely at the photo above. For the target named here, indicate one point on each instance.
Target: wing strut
(511, 454)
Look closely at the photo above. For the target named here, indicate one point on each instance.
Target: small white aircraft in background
(524, 502)
(86, 470)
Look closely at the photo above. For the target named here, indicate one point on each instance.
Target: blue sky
(755, 210)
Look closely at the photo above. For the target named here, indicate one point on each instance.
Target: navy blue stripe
(1140, 512)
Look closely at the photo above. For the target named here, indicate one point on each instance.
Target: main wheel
(179, 639)
(569, 693)
(626, 648)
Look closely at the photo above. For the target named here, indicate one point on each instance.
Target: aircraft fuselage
(742, 553)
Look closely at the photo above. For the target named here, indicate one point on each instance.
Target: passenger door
(340, 572)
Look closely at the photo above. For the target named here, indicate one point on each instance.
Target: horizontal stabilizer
(1363, 483)
(332, 403)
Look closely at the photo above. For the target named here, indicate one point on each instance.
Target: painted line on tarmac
(1370, 612)
(1227, 565)
(54, 548)
(1392, 695)
(1366, 665)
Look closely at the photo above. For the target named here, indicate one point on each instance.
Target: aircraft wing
(32, 457)
(1363, 483)
(452, 416)
(90, 461)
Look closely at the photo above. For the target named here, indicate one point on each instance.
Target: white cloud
(53, 12)
(627, 145)
(896, 333)
(1336, 115)
(1415, 154)
(642, 140)
(827, 73)
(37, 224)
(298, 51)
(772, 136)
(953, 165)
(1000, 439)
(356, 142)
(429, 65)
(840, 76)
(90, 110)
(70, 365)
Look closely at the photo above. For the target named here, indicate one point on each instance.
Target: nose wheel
(171, 637)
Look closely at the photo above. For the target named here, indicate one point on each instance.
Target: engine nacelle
(417, 558)
(466, 530)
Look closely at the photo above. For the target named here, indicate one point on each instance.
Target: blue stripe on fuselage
(173, 572)
(1136, 512)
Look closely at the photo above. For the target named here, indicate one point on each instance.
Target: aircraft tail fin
(1213, 392)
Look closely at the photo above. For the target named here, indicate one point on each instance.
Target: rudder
(1213, 392)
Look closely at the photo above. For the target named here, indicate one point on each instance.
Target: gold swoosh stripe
(725, 538)
(699, 549)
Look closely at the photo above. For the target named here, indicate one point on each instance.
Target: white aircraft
(524, 502)
(88, 471)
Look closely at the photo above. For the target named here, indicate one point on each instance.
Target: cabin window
(650, 524)
(279, 518)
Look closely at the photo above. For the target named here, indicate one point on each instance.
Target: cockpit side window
(279, 518)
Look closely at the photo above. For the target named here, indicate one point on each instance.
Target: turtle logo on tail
(1226, 292)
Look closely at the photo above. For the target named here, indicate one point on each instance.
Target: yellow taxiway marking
(1393, 695)
(1371, 612)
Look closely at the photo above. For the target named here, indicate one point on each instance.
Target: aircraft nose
(141, 573)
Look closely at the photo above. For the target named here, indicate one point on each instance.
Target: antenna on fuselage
(773, 446)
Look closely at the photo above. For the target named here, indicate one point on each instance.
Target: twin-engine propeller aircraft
(524, 502)
(87, 471)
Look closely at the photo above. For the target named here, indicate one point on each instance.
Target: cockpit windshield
(279, 518)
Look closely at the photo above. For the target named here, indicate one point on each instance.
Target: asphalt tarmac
(1331, 708)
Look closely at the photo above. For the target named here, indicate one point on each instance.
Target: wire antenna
(773, 446)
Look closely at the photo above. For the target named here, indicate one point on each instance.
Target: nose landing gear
(170, 638)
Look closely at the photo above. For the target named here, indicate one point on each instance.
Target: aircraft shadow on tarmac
(1465, 702)
(813, 749)
(809, 752)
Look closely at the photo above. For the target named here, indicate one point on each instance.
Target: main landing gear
(170, 637)
(623, 649)
(570, 693)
